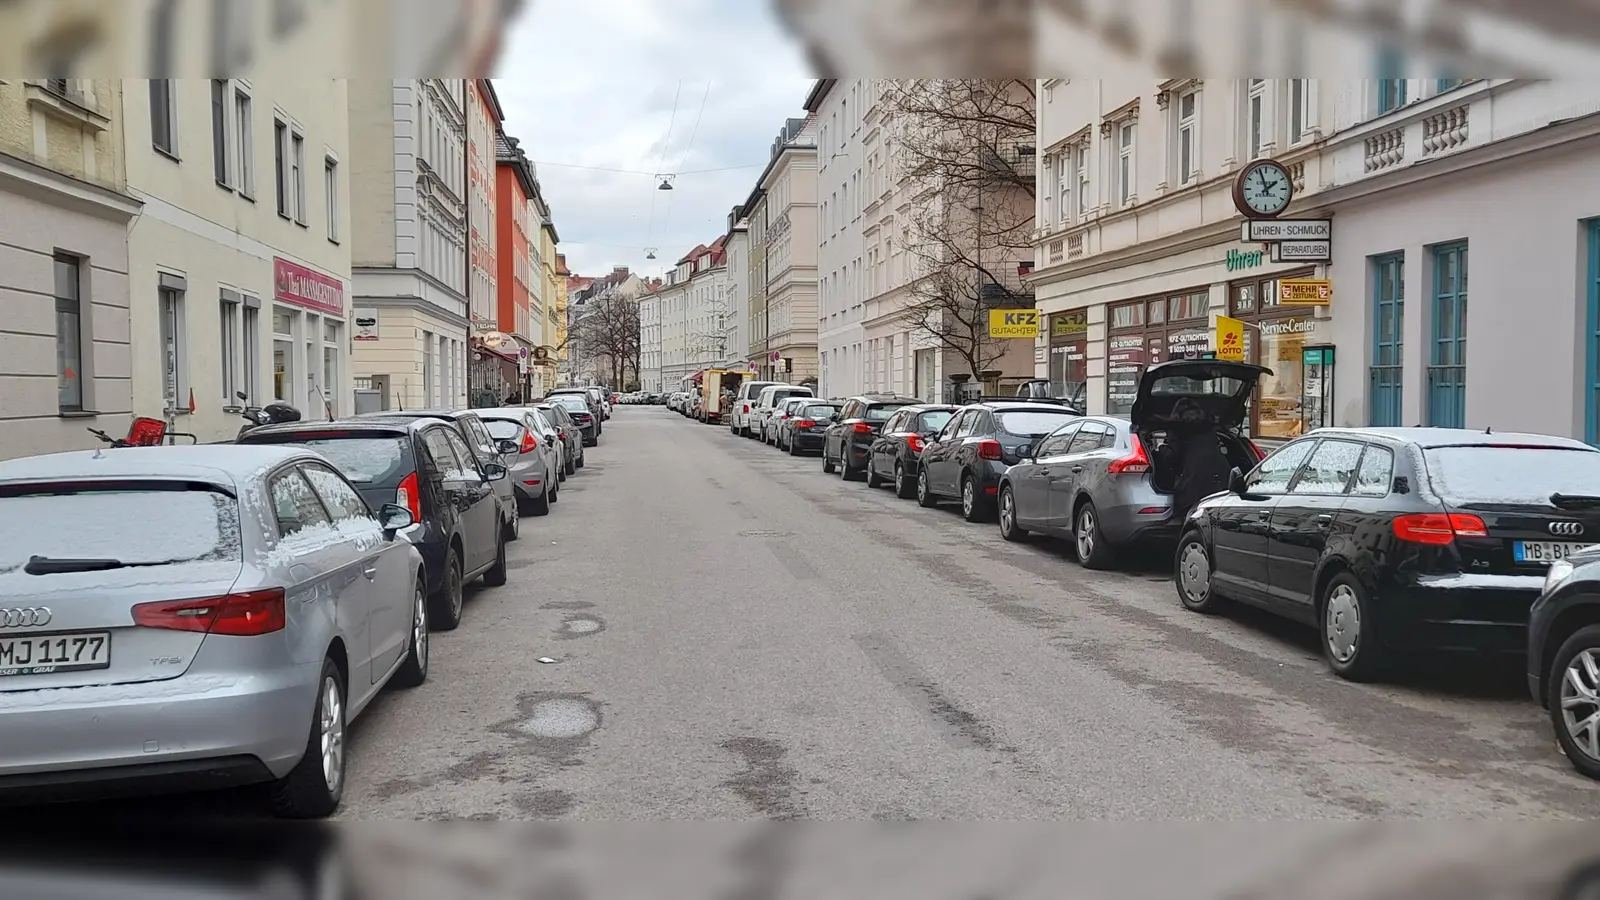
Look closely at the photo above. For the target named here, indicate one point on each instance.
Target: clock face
(1266, 189)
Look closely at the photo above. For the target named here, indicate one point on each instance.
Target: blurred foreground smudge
(470, 860)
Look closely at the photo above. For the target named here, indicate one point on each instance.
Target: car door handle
(1324, 520)
(371, 572)
(1077, 469)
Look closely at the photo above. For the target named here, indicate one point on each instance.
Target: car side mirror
(1236, 483)
(508, 447)
(394, 518)
(495, 471)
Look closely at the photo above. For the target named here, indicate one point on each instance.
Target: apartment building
(553, 329)
(839, 111)
(408, 199)
(789, 197)
(736, 289)
(65, 325)
(519, 275)
(650, 341)
(757, 224)
(695, 313)
(491, 367)
(1139, 245)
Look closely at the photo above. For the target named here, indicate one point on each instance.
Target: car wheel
(1574, 699)
(445, 606)
(537, 506)
(1348, 638)
(794, 449)
(414, 671)
(579, 463)
(872, 476)
(513, 527)
(827, 462)
(903, 488)
(925, 497)
(1093, 550)
(1009, 529)
(496, 576)
(1191, 574)
(314, 787)
(571, 467)
(974, 506)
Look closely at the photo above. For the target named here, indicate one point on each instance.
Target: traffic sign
(1302, 251)
(1261, 230)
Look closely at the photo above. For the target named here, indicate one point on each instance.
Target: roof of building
(819, 90)
(486, 87)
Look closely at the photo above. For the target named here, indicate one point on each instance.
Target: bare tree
(715, 343)
(965, 149)
(609, 328)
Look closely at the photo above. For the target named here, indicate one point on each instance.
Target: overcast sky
(592, 83)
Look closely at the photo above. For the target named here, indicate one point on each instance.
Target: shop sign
(366, 322)
(1069, 325)
(308, 289)
(1188, 344)
(1230, 339)
(1128, 351)
(1264, 230)
(1244, 259)
(1305, 292)
(1288, 326)
(1302, 251)
(1014, 323)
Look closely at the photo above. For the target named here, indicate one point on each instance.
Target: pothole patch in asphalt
(766, 534)
(554, 724)
(581, 626)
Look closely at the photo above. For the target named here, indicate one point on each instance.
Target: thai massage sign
(297, 285)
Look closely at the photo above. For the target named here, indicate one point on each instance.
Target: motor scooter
(275, 413)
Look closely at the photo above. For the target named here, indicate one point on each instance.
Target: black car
(897, 450)
(582, 414)
(847, 443)
(425, 465)
(567, 429)
(591, 402)
(808, 428)
(1564, 647)
(968, 457)
(1390, 540)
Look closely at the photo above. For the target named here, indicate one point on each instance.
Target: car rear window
(367, 460)
(882, 412)
(821, 412)
(1511, 474)
(1184, 386)
(1032, 422)
(102, 520)
(573, 401)
(503, 429)
(780, 395)
(935, 421)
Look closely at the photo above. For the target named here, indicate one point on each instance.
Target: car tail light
(529, 442)
(410, 496)
(989, 449)
(1438, 529)
(1255, 449)
(1135, 463)
(915, 442)
(747, 409)
(562, 434)
(861, 428)
(805, 423)
(249, 614)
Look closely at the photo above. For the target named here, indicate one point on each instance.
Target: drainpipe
(466, 194)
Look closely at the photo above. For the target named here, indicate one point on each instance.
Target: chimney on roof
(619, 270)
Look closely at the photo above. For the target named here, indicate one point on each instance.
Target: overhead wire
(650, 227)
(666, 216)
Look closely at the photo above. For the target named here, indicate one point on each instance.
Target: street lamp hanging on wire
(666, 182)
(649, 253)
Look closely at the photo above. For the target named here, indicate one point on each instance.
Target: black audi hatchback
(1395, 540)
(896, 455)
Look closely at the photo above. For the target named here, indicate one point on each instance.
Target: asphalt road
(738, 636)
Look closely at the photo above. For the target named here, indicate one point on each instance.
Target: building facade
(553, 269)
(789, 192)
(519, 274)
(840, 298)
(65, 324)
(650, 340)
(695, 314)
(754, 276)
(408, 212)
(491, 369)
(735, 293)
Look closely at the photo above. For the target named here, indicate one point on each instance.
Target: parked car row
(251, 599)
(1390, 542)
(640, 398)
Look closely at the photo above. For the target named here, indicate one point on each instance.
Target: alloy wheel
(332, 734)
(1580, 702)
(419, 630)
(899, 478)
(1343, 624)
(1008, 512)
(1085, 535)
(922, 485)
(968, 497)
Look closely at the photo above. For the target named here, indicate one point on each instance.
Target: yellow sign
(1305, 292)
(1069, 324)
(1230, 339)
(1014, 323)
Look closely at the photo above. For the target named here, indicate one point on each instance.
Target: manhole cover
(766, 534)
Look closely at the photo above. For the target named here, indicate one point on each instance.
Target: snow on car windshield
(503, 429)
(365, 460)
(1508, 474)
(1033, 422)
(80, 521)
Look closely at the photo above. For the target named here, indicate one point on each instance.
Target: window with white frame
(1256, 117)
(70, 329)
(1081, 204)
(1188, 137)
(175, 377)
(280, 153)
(244, 140)
(163, 117)
(251, 345)
(1064, 178)
(1300, 110)
(330, 365)
(297, 163)
(1126, 171)
(330, 186)
(219, 131)
(230, 320)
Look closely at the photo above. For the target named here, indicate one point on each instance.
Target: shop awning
(490, 351)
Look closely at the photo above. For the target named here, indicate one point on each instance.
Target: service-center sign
(1014, 323)
(306, 288)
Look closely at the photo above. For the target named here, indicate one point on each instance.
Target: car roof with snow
(217, 463)
(1427, 438)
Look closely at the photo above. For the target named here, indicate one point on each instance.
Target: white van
(740, 421)
(767, 402)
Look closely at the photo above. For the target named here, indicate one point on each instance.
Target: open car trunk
(1189, 416)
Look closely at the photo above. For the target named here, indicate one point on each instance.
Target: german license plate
(1543, 551)
(45, 654)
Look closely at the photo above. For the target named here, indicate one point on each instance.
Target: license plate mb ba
(44, 654)
(1543, 551)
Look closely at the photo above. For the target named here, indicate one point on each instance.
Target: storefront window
(1275, 337)
(1069, 366)
(1128, 316)
(283, 322)
(1147, 332)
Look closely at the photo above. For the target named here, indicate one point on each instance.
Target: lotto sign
(1230, 339)
(1305, 292)
(1014, 323)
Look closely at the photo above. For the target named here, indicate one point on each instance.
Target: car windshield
(90, 520)
(1184, 386)
(935, 421)
(503, 429)
(820, 412)
(573, 401)
(1511, 474)
(883, 412)
(1032, 422)
(363, 460)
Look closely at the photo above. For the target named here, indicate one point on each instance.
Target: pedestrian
(513, 399)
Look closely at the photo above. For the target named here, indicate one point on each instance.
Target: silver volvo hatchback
(182, 618)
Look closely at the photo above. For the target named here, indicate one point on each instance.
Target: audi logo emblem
(26, 617)
(1566, 528)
